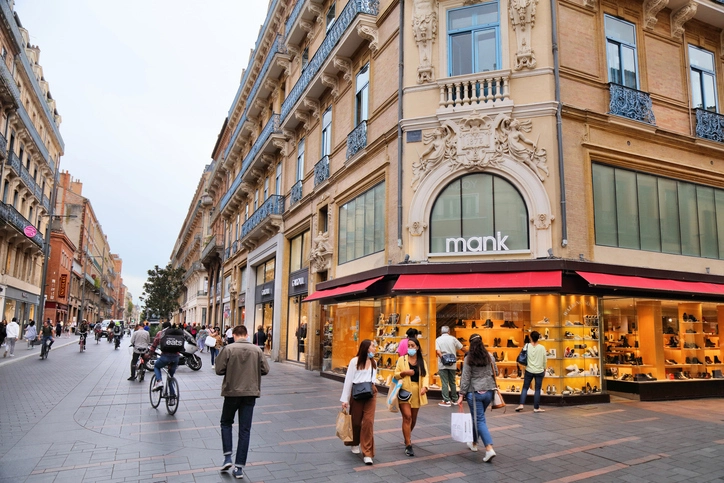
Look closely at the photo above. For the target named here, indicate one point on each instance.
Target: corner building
(425, 163)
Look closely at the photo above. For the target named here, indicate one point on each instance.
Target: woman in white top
(362, 368)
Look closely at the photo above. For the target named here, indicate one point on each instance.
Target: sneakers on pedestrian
(444, 404)
(238, 472)
(212, 366)
(408, 451)
(539, 410)
(368, 460)
(355, 449)
(519, 408)
(227, 463)
(489, 455)
(158, 386)
(473, 446)
(132, 378)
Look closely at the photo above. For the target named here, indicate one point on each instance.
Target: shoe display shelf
(691, 346)
(388, 335)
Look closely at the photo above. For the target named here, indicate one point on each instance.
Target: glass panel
(669, 216)
(696, 92)
(380, 217)
(296, 254)
(306, 248)
(486, 52)
(688, 219)
(620, 30)
(719, 202)
(369, 222)
(614, 63)
(627, 209)
(707, 222)
(461, 54)
(511, 215)
(604, 206)
(343, 234)
(648, 200)
(293, 330)
(363, 77)
(709, 88)
(477, 206)
(701, 58)
(628, 56)
(326, 132)
(460, 19)
(259, 275)
(445, 217)
(351, 213)
(269, 273)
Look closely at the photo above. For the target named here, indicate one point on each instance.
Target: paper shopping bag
(344, 426)
(393, 404)
(461, 427)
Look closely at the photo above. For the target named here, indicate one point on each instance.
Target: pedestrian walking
(402, 346)
(446, 348)
(58, 328)
(534, 370)
(242, 364)
(229, 335)
(31, 334)
(201, 338)
(216, 334)
(412, 372)
(260, 337)
(12, 332)
(140, 340)
(477, 385)
(362, 370)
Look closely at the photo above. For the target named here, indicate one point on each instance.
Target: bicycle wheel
(155, 396)
(171, 401)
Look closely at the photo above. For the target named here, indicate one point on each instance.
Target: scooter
(186, 358)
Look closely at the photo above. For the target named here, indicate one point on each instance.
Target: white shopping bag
(461, 427)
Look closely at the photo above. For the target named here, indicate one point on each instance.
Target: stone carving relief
(680, 17)
(307, 27)
(542, 221)
(417, 228)
(478, 142)
(320, 257)
(522, 16)
(424, 28)
(345, 65)
(331, 82)
(304, 118)
(313, 105)
(284, 64)
(651, 10)
(316, 10)
(368, 31)
(592, 4)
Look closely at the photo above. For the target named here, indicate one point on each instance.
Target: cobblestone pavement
(75, 418)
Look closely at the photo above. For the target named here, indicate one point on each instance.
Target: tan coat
(402, 366)
(242, 364)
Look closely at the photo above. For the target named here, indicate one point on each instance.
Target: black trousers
(134, 361)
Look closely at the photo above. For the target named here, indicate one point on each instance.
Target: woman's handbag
(523, 356)
(344, 426)
(498, 401)
(361, 391)
(403, 395)
(210, 341)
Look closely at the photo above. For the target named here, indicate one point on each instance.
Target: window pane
(363, 77)
(604, 206)
(296, 254)
(369, 223)
(260, 274)
(477, 206)
(306, 248)
(701, 58)
(709, 92)
(688, 218)
(696, 94)
(343, 234)
(445, 217)
(461, 54)
(460, 19)
(627, 209)
(669, 216)
(511, 215)
(719, 199)
(614, 63)
(648, 199)
(707, 222)
(620, 30)
(629, 67)
(379, 225)
(351, 214)
(270, 267)
(485, 50)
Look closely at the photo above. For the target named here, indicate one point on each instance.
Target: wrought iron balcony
(14, 163)
(235, 247)
(274, 205)
(12, 217)
(210, 249)
(9, 88)
(321, 171)
(709, 125)
(195, 267)
(479, 90)
(630, 103)
(202, 293)
(3, 146)
(341, 24)
(227, 253)
(357, 139)
(296, 194)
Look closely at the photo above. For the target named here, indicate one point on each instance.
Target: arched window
(479, 213)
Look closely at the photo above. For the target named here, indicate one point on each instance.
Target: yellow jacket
(403, 365)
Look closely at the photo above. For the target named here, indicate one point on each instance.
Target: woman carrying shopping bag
(359, 395)
(477, 383)
(412, 372)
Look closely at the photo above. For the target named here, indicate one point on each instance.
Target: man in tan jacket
(242, 364)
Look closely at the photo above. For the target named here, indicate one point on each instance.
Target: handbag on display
(361, 391)
(523, 356)
(448, 359)
(210, 341)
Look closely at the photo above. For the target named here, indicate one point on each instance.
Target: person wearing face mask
(412, 372)
(362, 368)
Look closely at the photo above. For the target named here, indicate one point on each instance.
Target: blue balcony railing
(11, 216)
(274, 205)
(357, 139)
(296, 193)
(14, 163)
(709, 125)
(321, 171)
(630, 103)
(345, 19)
(3, 146)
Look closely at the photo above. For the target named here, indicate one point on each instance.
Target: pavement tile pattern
(75, 418)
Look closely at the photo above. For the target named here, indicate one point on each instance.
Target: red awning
(472, 281)
(644, 283)
(343, 290)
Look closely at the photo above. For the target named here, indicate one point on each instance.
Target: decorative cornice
(680, 17)
(312, 104)
(368, 31)
(331, 82)
(303, 117)
(345, 65)
(651, 10)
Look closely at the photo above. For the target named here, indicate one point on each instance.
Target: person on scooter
(168, 339)
(117, 334)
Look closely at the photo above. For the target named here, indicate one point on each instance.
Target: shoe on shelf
(227, 463)
(489, 455)
(519, 408)
(238, 473)
(539, 410)
(472, 446)
(408, 451)
(355, 449)
(367, 460)
(444, 404)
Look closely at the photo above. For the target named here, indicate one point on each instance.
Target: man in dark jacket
(242, 364)
(260, 337)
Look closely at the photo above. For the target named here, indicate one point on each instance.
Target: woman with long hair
(477, 384)
(411, 370)
(362, 368)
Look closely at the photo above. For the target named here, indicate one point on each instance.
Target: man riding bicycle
(83, 330)
(171, 341)
(47, 337)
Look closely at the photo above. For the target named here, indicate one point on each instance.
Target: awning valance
(645, 283)
(474, 281)
(343, 290)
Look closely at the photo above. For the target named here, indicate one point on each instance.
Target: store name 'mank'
(476, 244)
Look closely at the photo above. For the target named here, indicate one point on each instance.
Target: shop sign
(477, 244)
(298, 282)
(265, 292)
(63, 285)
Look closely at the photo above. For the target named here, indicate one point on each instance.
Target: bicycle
(172, 398)
(45, 348)
(98, 336)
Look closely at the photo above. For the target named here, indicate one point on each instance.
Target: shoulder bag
(523, 356)
(361, 391)
(402, 394)
(498, 402)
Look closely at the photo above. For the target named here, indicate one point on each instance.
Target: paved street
(75, 418)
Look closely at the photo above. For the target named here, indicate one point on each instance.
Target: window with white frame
(300, 160)
(474, 39)
(256, 199)
(266, 188)
(278, 180)
(246, 212)
(703, 79)
(327, 132)
(621, 52)
(362, 96)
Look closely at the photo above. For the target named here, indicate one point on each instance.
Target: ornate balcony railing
(274, 205)
(210, 246)
(357, 139)
(630, 103)
(202, 293)
(271, 126)
(321, 171)
(14, 163)
(196, 266)
(296, 193)
(3, 146)
(235, 247)
(227, 253)
(479, 89)
(10, 215)
(46, 203)
(9, 82)
(345, 19)
(709, 125)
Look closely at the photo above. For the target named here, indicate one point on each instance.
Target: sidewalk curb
(30, 352)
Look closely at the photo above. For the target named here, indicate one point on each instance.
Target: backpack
(172, 341)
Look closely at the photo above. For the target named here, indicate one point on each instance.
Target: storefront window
(300, 248)
(297, 331)
(265, 318)
(10, 305)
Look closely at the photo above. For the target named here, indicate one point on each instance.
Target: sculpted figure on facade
(424, 28)
(440, 145)
(321, 255)
(522, 16)
(519, 147)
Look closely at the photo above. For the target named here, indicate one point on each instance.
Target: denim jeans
(527, 378)
(480, 427)
(244, 405)
(165, 360)
(214, 353)
(447, 381)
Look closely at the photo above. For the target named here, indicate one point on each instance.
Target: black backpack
(172, 341)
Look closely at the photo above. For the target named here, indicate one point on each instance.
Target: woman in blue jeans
(477, 384)
(534, 370)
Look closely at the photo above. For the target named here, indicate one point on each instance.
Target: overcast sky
(143, 87)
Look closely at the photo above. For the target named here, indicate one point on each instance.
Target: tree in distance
(162, 290)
